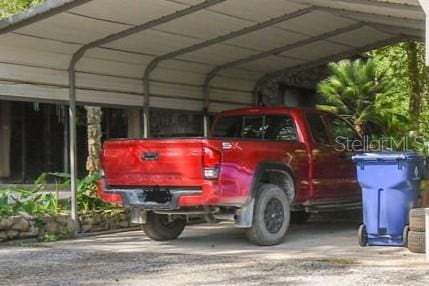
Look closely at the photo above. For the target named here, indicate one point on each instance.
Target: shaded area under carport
(184, 54)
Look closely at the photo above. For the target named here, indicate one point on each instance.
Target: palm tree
(353, 87)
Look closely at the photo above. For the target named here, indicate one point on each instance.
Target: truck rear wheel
(271, 216)
(160, 227)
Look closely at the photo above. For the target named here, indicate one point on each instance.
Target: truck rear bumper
(158, 198)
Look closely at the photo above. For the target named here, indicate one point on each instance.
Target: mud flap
(138, 216)
(244, 216)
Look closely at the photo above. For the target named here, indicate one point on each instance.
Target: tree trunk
(359, 125)
(415, 86)
(94, 139)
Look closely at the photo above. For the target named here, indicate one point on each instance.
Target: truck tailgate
(153, 162)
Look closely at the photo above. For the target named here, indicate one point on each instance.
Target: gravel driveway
(322, 252)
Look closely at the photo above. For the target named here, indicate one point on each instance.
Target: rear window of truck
(228, 127)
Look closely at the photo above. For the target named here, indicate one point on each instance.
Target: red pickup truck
(261, 168)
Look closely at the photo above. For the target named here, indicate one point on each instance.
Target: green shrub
(36, 201)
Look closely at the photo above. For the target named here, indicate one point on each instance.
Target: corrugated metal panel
(216, 107)
(218, 54)
(316, 23)
(177, 90)
(13, 72)
(71, 28)
(153, 42)
(60, 94)
(239, 97)
(28, 56)
(257, 10)
(210, 25)
(177, 76)
(241, 74)
(177, 104)
(267, 39)
(22, 41)
(129, 11)
(110, 67)
(361, 37)
(370, 7)
(230, 83)
(316, 50)
(272, 63)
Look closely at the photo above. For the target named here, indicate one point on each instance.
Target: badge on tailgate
(150, 156)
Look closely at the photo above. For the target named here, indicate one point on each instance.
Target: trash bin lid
(386, 156)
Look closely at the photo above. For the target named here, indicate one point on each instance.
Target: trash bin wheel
(417, 219)
(405, 235)
(416, 241)
(363, 236)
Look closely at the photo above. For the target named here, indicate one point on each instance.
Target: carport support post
(146, 98)
(206, 103)
(425, 6)
(73, 148)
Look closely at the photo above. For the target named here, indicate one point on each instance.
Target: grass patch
(340, 261)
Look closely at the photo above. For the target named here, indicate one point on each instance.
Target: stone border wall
(60, 225)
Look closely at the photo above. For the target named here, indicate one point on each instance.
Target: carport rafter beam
(38, 13)
(351, 14)
(325, 60)
(324, 36)
(369, 3)
(72, 84)
(269, 23)
(386, 29)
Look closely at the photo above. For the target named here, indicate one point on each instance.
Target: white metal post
(425, 6)
(427, 233)
(73, 148)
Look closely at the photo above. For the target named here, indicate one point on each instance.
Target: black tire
(417, 219)
(271, 216)
(158, 227)
(416, 241)
(405, 235)
(299, 217)
(362, 236)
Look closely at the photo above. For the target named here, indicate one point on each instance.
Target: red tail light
(211, 163)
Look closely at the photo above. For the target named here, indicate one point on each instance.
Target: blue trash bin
(390, 184)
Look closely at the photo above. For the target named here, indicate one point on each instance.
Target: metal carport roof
(185, 54)
(183, 44)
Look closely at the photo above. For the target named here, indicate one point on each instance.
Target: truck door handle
(150, 156)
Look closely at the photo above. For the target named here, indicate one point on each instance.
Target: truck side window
(252, 127)
(317, 128)
(228, 127)
(280, 127)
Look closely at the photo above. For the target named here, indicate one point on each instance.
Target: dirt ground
(321, 252)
